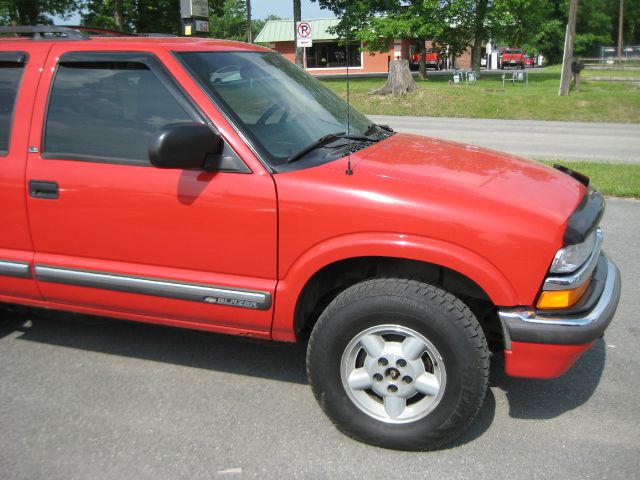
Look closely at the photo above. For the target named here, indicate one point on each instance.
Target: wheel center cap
(392, 373)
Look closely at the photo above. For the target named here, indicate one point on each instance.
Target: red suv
(135, 186)
(432, 60)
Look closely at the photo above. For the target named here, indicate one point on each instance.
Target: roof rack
(100, 32)
(45, 32)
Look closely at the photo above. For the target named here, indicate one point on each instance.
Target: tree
(33, 12)
(480, 32)
(140, 16)
(377, 22)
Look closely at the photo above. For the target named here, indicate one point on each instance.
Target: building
(328, 55)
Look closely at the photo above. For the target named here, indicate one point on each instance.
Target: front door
(115, 234)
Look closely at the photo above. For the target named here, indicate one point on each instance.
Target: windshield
(279, 106)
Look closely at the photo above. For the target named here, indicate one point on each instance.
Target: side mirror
(183, 145)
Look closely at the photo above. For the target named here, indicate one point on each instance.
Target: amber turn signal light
(553, 299)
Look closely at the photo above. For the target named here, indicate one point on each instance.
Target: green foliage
(535, 25)
(375, 22)
(594, 27)
(229, 21)
(33, 12)
(140, 16)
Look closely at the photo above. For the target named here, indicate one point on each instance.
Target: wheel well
(328, 282)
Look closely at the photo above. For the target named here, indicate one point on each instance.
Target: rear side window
(107, 111)
(11, 68)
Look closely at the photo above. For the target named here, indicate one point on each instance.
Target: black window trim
(155, 65)
(22, 58)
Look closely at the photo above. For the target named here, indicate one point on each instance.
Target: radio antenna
(348, 171)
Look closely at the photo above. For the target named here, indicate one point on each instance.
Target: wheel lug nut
(377, 377)
(401, 363)
(392, 388)
(383, 362)
(407, 379)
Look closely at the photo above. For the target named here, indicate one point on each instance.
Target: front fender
(412, 247)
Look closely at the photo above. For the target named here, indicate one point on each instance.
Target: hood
(472, 172)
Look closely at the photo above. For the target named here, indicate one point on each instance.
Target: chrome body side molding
(157, 287)
(10, 268)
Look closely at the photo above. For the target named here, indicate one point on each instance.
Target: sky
(284, 9)
(259, 9)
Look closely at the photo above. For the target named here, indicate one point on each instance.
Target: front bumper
(547, 345)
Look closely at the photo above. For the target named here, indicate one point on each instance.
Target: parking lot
(118, 400)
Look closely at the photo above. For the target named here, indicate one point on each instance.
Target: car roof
(137, 43)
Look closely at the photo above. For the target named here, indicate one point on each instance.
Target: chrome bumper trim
(578, 278)
(9, 268)
(567, 328)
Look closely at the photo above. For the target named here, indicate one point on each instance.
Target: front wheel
(398, 364)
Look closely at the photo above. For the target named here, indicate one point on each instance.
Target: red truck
(133, 186)
(512, 58)
(432, 59)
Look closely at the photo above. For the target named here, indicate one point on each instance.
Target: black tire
(430, 313)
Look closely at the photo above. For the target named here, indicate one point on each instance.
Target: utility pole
(297, 17)
(620, 27)
(249, 32)
(567, 57)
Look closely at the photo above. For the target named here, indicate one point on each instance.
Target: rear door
(19, 74)
(113, 233)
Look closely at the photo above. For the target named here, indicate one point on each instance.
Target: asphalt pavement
(609, 142)
(119, 400)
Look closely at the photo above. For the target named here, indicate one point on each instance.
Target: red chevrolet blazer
(214, 185)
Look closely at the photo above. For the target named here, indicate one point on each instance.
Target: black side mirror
(183, 145)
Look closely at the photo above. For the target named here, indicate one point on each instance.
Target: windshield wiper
(328, 139)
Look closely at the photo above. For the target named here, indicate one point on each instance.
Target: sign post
(303, 39)
(195, 17)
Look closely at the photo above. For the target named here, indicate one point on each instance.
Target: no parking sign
(303, 35)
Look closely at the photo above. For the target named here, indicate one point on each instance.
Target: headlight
(571, 257)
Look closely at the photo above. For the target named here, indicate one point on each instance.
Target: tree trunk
(399, 81)
(118, 15)
(249, 32)
(478, 34)
(422, 63)
(297, 17)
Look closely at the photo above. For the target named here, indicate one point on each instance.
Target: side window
(107, 111)
(11, 68)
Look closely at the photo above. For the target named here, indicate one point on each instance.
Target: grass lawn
(597, 101)
(614, 179)
(613, 72)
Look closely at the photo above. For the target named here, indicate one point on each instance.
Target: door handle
(43, 189)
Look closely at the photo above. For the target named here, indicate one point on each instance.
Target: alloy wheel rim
(393, 373)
